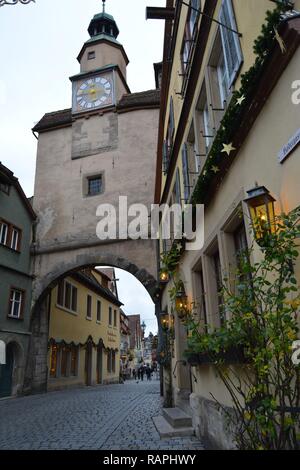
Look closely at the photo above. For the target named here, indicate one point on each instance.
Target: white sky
(136, 299)
(39, 45)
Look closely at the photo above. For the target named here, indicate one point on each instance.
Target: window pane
(98, 310)
(14, 239)
(60, 293)
(74, 299)
(110, 316)
(230, 41)
(115, 317)
(3, 233)
(89, 307)
(16, 298)
(95, 186)
(68, 288)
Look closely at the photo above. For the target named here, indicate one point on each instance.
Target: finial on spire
(103, 1)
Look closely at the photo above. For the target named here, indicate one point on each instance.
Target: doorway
(99, 363)
(88, 363)
(6, 373)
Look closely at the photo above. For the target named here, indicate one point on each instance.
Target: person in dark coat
(142, 371)
(148, 373)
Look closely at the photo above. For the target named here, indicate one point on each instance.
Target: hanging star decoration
(280, 41)
(241, 99)
(228, 148)
(178, 246)
(215, 169)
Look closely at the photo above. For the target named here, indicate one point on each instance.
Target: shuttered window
(185, 171)
(177, 188)
(230, 41)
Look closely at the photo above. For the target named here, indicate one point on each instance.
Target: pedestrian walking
(148, 373)
(142, 372)
(133, 373)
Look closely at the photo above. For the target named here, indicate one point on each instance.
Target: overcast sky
(39, 45)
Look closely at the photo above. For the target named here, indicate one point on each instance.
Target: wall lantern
(181, 303)
(164, 320)
(261, 209)
(164, 276)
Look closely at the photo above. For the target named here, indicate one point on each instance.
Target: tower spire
(103, 1)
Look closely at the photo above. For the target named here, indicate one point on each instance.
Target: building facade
(136, 339)
(206, 156)
(84, 332)
(126, 356)
(16, 227)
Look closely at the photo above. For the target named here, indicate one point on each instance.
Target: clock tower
(103, 61)
(89, 155)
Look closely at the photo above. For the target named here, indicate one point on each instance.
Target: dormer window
(91, 55)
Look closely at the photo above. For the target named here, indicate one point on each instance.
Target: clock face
(92, 93)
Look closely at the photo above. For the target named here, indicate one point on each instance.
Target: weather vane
(14, 2)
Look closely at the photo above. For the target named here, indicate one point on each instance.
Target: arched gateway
(90, 155)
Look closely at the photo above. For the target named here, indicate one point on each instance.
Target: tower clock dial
(93, 93)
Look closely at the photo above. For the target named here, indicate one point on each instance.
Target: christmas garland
(230, 123)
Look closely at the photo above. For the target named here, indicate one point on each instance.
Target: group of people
(143, 370)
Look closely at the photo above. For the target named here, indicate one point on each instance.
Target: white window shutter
(2, 352)
(185, 169)
(230, 41)
(177, 188)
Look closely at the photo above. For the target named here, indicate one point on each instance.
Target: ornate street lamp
(181, 303)
(261, 208)
(14, 2)
(164, 320)
(164, 276)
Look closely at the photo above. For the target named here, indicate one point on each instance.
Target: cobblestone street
(105, 417)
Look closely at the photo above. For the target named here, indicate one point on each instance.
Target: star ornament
(228, 148)
(215, 169)
(241, 99)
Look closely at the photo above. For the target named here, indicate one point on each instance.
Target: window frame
(91, 55)
(14, 241)
(73, 299)
(10, 228)
(4, 224)
(89, 307)
(225, 35)
(11, 301)
(110, 316)
(98, 311)
(91, 179)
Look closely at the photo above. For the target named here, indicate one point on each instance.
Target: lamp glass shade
(164, 276)
(261, 209)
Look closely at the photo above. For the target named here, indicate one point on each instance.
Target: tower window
(95, 185)
(91, 55)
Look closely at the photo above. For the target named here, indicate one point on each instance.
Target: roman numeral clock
(93, 92)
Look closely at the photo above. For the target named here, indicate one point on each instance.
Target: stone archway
(36, 375)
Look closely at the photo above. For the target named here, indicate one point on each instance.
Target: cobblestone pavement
(111, 417)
